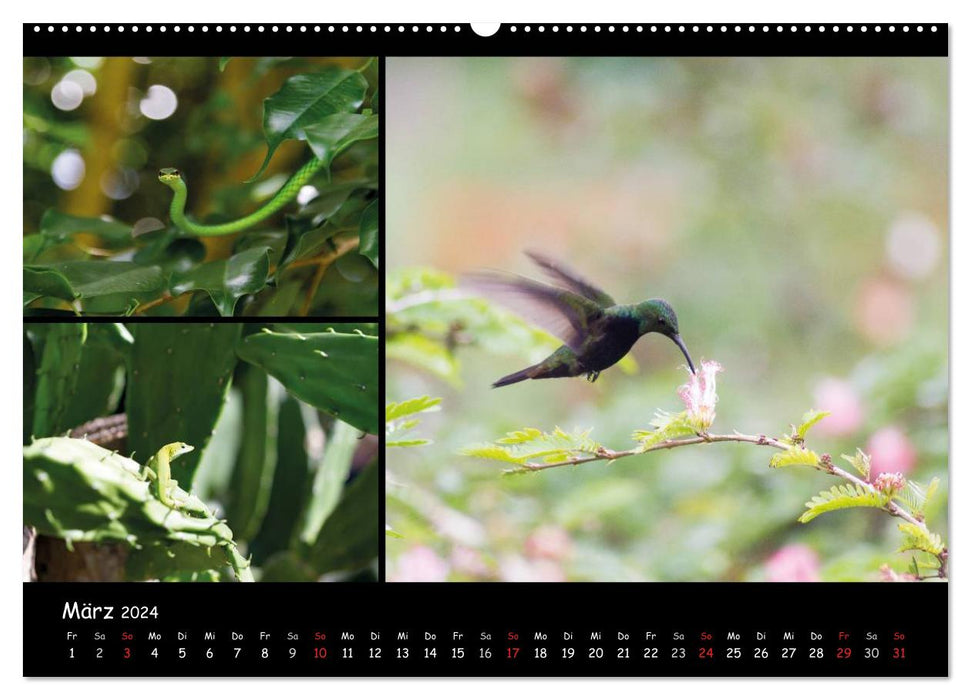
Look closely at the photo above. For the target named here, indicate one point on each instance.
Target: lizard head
(178, 448)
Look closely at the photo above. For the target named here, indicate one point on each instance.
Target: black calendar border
(607, 39)
(501, 610)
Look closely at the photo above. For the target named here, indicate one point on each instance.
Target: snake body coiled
(172, 178)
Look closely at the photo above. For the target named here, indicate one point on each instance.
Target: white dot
(159, 102)
(67, 95)
(67, 170)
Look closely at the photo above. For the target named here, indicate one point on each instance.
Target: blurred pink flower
(420, 564)
(548, 542)
(793, 562)
(884, 311)
(699, 394)
(888, 574)
(843, 403)
(890, 451)
(516, 568)
(469, 562)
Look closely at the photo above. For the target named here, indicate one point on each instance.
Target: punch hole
(485, 28)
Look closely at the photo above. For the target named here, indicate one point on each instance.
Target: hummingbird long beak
(680, 343)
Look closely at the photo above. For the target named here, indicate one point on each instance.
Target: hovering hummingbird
(596, 330)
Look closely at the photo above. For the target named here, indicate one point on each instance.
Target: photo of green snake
(201, 186)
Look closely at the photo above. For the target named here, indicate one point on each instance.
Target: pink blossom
(793, 562)
(469, 561)
(699, 394)
(548, 542)
(890, 451)
(888, 574)
(843, 403)
(891, 482)
(884, 311)
(421, 564)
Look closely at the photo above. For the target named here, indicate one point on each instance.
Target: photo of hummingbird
(596, 331)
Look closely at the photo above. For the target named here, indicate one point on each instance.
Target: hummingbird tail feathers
(515, 377)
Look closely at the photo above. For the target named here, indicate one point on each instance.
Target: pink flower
(890, 482)
(469, 561)
(888, 574)
(548, 542)
(699, 395)
(420, 564)
(793, 562)
(890, 451)
(845, 409)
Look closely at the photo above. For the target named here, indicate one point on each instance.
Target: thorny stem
(604, 454)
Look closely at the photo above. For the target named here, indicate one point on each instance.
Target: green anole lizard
(159, 470)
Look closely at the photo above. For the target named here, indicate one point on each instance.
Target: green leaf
(334, 134)
(369, 233)
(424, 353)
(350, 536)
(531, 445)
(256, 463)
(304, 100)
(226, 281)
(847, 495)
(667, 426)
(87, 279)
(329, 480)
(177, 383)
(422, 404)
(58, 227)
(396, 428)
(335, 372)
(795, 456)
(57, 375)
(223, 62)
(809, 419)
(917, 538)
(861, 462)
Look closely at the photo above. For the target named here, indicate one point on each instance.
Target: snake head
(169, 175)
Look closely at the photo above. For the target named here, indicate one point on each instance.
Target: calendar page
(723, 248)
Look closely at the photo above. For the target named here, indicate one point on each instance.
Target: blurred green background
(794, 213)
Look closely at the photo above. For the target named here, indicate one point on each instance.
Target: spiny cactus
(335, 372)
(177, 382)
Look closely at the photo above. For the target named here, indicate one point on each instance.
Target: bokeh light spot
(67, 96)
(68, 169)
(83, 79)
(159, 102)
(913, 245)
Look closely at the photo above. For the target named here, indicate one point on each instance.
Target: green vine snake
(172, 178)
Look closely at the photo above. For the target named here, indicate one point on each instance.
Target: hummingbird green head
(657, 316)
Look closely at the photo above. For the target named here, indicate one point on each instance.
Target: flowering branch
(532, 450)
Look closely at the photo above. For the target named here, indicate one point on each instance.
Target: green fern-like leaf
(666, 426)
(847, 495)
(861, 462)
(531, 445)
(422, 404)
(809, 419)
(795, 456)
(398, 420)
(918, 539)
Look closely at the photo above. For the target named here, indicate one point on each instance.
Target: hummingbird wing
(564, 314)
(570, 279)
